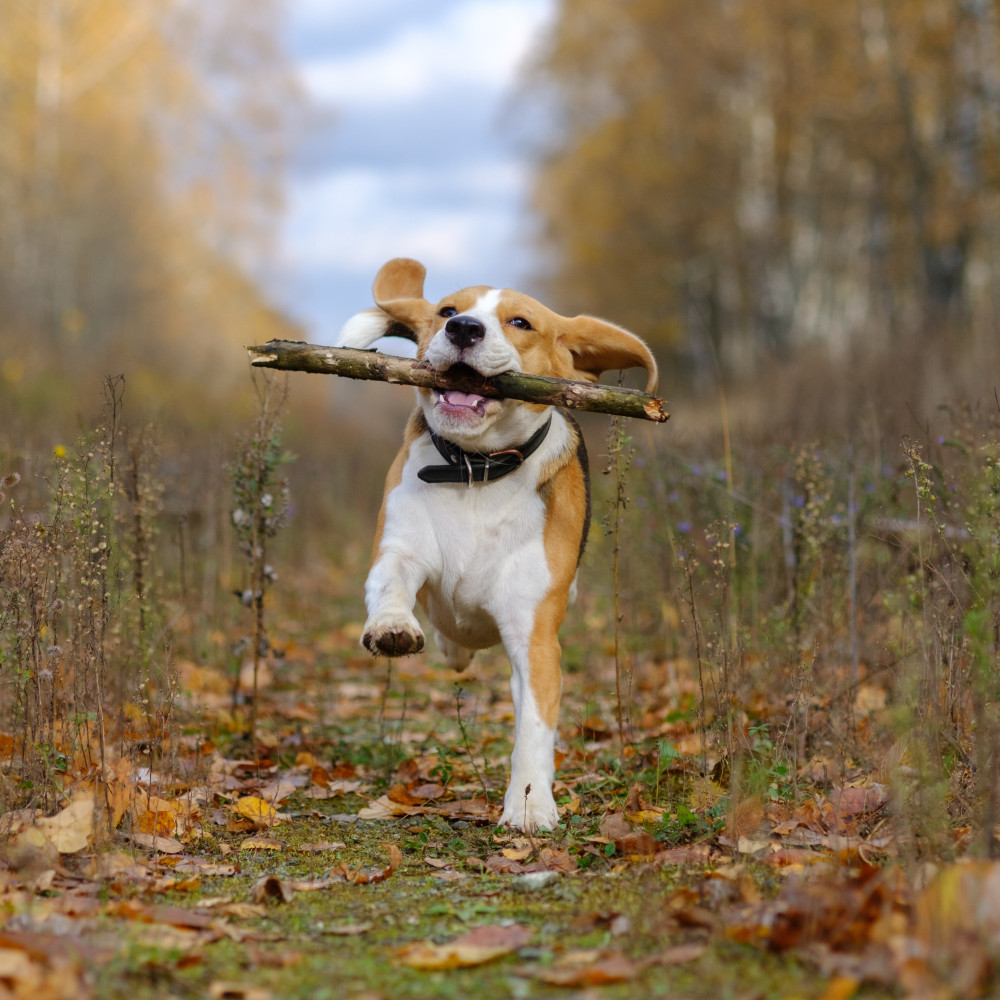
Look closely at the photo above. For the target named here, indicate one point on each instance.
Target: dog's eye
(447, 311)
(520, 322)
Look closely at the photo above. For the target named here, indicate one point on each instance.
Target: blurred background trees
(140, 171)
(739, 180)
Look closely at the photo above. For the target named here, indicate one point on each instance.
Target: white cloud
(352, 221)
(476, 46)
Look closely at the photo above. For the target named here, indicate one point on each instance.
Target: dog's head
(491, 330)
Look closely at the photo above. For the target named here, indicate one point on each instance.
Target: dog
(487, 505)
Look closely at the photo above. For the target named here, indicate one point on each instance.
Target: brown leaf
(477, 947)
(639, 844)
(31, 853)
(589, 969)
(694, 854)
(594, 728)
(617, 924)
(223, 989)
(858, 801)
(678, 954)
(635, 803)
(504, 866)
(745, 818)
(557, 860)
(42, 966)
(360, 876)
(166, 845)
(156, 913)
(614, 826)
(270, 887)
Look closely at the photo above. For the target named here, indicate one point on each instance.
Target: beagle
(487, 505)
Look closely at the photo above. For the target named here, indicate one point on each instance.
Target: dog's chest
(482, 544)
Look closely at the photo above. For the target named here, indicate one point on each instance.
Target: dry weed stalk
(260, 505)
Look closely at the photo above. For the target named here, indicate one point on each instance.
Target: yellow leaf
(262, 844)
(70, 829)
(256, 810)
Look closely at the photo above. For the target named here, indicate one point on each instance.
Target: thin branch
(295, 355)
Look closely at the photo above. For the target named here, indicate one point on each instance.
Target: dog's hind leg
(455, 656)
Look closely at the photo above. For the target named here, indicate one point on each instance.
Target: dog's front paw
(529, 812)
(396, 636)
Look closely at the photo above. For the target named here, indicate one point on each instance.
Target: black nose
(464, 331)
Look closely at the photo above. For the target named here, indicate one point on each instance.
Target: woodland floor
(354, 855)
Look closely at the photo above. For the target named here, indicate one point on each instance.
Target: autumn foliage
(738, 181)
(777, 768)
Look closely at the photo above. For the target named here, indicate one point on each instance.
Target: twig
(295, 355)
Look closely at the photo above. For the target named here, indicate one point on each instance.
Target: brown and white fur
(496, 561)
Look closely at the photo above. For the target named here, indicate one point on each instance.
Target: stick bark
(296, 355)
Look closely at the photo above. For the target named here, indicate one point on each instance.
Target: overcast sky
(413, 158)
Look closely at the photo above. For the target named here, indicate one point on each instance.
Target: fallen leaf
(385, 808)
(71, 829)
(115, 864)
(744, 819)
(617, 924)
(840, 988)
(587, 969)
(477, 947)
(42, 967)
(347, 930)
(257, 810)
(518, 853)
(557, 860)
(614, 826)
(504, 866)
(31, 852)
(161, 824)
(361, 876)
(242, 911)
(165, 845)
(204, 867)
(262, 844)
(159, 913)
(272, 887)
(694, 854)
(223, 989)
(857, 801)
(678, 954)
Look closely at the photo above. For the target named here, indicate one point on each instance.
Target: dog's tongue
(455, 398)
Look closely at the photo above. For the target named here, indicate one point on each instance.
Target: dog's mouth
(460, 404)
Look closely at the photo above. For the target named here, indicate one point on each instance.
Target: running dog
(487, 505)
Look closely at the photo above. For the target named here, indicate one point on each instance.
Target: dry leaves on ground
(477, 947)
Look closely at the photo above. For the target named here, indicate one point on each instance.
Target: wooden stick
(296, 355)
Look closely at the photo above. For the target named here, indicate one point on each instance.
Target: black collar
(479, 467)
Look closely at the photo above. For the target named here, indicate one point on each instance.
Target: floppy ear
(596, 346)
(402, 310)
